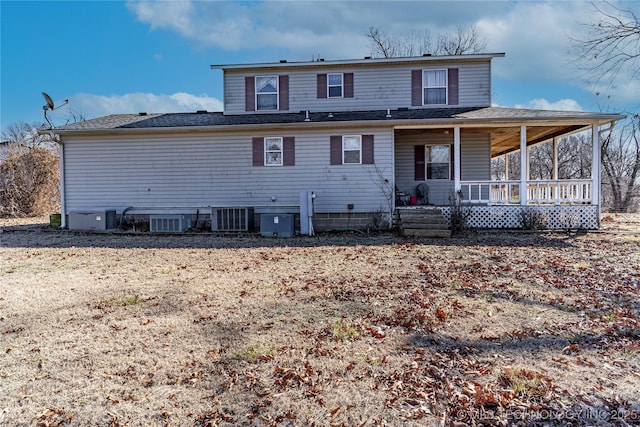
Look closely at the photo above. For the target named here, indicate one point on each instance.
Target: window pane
(438, 171)
(335, 79)
(435, 78)
(267, 84)
(351, 143)
(267, 102)
(335, 91)
(274, 158)
(438, 154)
(274, 144)
(435, 96)
(352, 156)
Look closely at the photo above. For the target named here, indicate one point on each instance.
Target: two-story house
(364, 136)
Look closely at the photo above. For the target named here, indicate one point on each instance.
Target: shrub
(532, 219)
(460, 213)
(29, 182)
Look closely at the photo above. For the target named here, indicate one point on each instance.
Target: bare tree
(26, 135)
(609, 52)
(464, 40)
(414, 43)
(621, 165)
(611, 44)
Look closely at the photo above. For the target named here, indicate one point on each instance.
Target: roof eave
(355, 62)
(393, 123)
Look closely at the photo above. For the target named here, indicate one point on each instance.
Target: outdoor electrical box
(307, 199)
(276, 225)
(92, 220)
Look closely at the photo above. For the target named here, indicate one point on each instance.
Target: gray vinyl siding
(216, 170)
(475, 156)
(375, 88)
(475, 160)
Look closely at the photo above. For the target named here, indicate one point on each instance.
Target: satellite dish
(49, 101)
(50, 106)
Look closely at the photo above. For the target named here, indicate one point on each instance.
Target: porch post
(554, 170)
(595, 167)
(524, 165)
(506, 166)
(456, 160)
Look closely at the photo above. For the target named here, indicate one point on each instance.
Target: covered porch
(457, 164)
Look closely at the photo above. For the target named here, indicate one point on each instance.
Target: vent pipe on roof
(306, 116)
(388, 116)
(283, 61)
(142, 113)
(367, 57)
(330, 115)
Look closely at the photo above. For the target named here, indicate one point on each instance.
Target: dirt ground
(332, 330)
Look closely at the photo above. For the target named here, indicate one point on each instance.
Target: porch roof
(503, 123)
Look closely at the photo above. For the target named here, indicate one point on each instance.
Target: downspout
(63, 199)
(595, 168)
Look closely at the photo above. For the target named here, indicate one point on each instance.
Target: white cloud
(90, 105)
(560, 105)
(534, 34)
(334, 30)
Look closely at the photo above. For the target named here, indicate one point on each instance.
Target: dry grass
(139, 330)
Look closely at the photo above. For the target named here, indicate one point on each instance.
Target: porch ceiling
(507, 139)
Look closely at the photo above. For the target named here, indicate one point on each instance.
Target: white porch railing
(565, 191)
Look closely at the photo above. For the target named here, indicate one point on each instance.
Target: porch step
(423, 222)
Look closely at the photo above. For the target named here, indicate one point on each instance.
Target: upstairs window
(334, 85)
(266, 93)
(434, 87)
(437, 161)
(273, 151)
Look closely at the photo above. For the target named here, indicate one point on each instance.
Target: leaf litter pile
(336, 330)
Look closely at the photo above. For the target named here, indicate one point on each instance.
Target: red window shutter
(322, 86)
(416, 88)
(288, 151)
(249, 93)
(336, 150)
(453, 86)
(258, 151)
(419, 163)
(283, 92)
(367, 150)
(348, 85)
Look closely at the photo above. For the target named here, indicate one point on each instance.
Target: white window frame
(267, 151)
(359, 140)
(427, 162)
(341, 85)
(445, 86)
(277, 93)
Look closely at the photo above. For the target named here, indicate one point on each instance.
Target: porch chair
(422, 192)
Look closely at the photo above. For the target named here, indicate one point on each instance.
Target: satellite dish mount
(50, 106)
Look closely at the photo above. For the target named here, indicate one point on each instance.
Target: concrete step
(423, 222)
(426, 233)
(425, 225)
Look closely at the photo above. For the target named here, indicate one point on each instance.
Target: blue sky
(125, 57)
